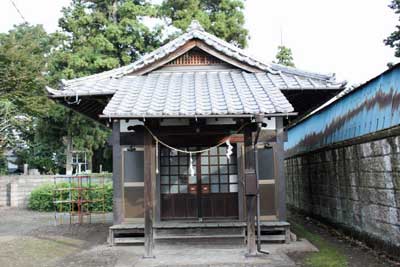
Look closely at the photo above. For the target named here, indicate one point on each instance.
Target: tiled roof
(162, 94)
(199, 92)
(284, 77)
(291, 79)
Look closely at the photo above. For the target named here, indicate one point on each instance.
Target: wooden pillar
(118, 211)
(241, 181)
(149, 193)
(281, 183)
(251, 199)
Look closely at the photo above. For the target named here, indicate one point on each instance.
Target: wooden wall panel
(133, 198)
(267, 199)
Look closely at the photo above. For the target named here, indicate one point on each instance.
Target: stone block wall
(355, 186)
(21, 188)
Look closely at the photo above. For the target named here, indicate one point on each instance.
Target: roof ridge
(330, 77)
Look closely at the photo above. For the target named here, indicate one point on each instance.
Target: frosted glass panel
(173, 170)
(224, 188)
(174, 189)
(233, 178)
(174, 179)
(223, 160)
(192, 180)
(204, 169)
(205, 179)
(165, 189)
(183, 188)
(233, 188)
(174, 160)
(223, 178)
(214, 179)
(214, 188)
(164, 179)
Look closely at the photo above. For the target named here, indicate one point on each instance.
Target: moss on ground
(328, 255)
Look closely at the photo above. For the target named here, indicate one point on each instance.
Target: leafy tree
(393, 40)
(223, 18)
(10, 126)
(100, 35)
(284, 56)
(23, 60)
(97, 35)
(30, 124)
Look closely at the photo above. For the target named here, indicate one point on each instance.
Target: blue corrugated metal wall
(371, 107)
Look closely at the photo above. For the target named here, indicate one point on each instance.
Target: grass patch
(328, 255)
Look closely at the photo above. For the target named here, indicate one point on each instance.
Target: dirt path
(354, 253)
(31, 239)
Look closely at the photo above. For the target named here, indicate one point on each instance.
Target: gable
(196, 52)
(195, 57)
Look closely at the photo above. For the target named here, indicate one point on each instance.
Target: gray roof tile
(196, 94)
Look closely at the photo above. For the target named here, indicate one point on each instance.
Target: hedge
(41, 198)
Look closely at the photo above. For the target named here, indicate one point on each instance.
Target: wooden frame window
(218, 173)
(174, 171)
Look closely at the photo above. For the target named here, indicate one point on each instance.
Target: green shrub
(42, 198)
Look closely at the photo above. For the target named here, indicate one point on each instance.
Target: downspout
(259, 121)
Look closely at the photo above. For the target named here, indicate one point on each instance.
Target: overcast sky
(342, 36)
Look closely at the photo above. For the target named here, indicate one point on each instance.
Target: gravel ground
(32, 239)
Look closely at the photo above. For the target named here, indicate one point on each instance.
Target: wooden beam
(249, 164)
(195, 129)
(149, 194)
(118, 211)
(132, 138)
(281, 184)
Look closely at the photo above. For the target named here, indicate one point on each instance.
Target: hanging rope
(194, 151)
(157, 170)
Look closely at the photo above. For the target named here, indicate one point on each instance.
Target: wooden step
(273, 238)
(129, 240)
(230, 241)
(189, 232)
(199, 237)
(200, 232)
